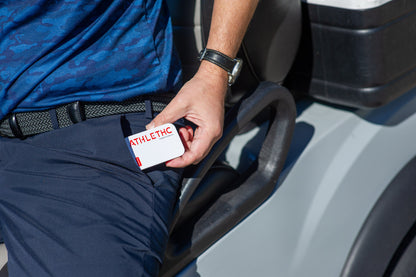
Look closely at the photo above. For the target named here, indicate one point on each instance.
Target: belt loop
(54, 119)
(76, 112)
(14, 126)
(148, 109)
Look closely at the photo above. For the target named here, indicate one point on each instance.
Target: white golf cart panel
(349, 4)
(307, 227)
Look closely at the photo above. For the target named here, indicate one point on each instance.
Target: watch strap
(218, 59)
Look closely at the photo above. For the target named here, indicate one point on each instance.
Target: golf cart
(333, 195)
(316, 172)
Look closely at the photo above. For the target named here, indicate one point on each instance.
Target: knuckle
(196, 158)
(197, 161)
(217, 132)
(162, 116)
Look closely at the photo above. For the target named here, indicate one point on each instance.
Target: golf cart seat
(215, 196)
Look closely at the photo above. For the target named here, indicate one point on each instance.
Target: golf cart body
(321, 186)
(344, 201)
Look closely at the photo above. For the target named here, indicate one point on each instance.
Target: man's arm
(201, 99)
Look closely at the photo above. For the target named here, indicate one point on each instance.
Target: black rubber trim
(360, 19)
(356, 58)
(217, 181)
(4, 271)
(187, 243)
(386, 227)
(403, 263)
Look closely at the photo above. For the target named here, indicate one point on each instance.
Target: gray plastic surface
(331, 182)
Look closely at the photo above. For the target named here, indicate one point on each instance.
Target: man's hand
(201, 101)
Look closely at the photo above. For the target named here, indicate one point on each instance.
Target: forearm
(201, 99)
(229, 23)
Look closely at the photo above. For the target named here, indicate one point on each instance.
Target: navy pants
(73, 202)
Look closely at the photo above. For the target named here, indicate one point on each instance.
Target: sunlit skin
(201, 99)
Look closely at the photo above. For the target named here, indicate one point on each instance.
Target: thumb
(169, 114)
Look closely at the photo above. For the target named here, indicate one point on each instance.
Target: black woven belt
(21, 125)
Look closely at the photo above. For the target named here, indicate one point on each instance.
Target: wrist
(213, 70)
(230, 65)
(214, 78)
(213, 74)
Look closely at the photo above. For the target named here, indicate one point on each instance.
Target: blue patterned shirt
(54, 52)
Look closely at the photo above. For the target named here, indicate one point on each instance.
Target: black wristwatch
(232, 66)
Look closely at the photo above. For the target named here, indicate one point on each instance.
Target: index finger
(198, 149)
(170, 114)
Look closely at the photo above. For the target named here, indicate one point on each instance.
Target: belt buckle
(14, 126)
(76, 112)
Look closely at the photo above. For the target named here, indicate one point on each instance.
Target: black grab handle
(275, 147)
